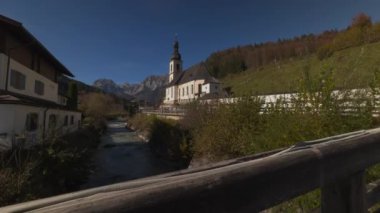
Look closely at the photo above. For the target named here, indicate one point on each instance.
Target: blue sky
(128, 40)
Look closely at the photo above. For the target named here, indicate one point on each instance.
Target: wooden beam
(250, 185)
(345, 195)
(373, 193)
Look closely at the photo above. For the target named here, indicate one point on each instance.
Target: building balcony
(27, 82)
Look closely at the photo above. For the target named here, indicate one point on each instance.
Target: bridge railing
(336, 165)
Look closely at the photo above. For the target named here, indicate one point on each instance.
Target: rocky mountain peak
(150, 90)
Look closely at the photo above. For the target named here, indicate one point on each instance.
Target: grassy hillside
(352, 68)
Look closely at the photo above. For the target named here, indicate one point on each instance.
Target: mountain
(108, 86)
(150, 91)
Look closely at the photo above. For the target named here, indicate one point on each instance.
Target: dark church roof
(196, 72)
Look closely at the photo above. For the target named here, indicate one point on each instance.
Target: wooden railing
(336, 165)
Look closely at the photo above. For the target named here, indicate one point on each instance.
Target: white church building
(191, 84)
(30, 103)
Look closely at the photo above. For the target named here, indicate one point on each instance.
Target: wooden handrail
(335, 164)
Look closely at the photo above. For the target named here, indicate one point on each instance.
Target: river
(123, 156)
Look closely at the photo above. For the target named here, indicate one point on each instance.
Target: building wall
(175, 67)
(8, 118)
(27, 56)
(47, 70)
(171, 95)
(2, 40)
(20, 51)
(171, 71)
(198, 85)
(183, 92)
(211, 88)
(187, 94)
(50, 87)
(13, 120)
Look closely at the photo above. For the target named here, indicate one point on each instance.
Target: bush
(247, 127)
(169, 140)
(55, 166)
(141, 123)
(97, 108)
(230, 131)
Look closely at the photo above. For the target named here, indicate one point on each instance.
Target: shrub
(55, 166)
(229, 131)
(97, 107)
(169, 140)
(141, 123)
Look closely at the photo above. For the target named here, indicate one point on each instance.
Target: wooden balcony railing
(336, 165)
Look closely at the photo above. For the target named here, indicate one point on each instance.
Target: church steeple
(175, 65)
(176, 55)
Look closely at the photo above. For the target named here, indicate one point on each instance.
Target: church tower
(175, 65)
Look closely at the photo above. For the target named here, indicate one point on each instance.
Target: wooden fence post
(345, 195)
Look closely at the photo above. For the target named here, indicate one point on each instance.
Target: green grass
(353, 68)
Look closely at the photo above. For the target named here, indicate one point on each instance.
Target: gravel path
(123, 156)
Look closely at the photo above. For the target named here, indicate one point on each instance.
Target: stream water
(123, 156)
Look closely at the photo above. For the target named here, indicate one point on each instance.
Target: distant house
(191, 84)
(30, 104)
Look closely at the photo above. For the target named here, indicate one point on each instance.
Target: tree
(72, 94)
(96, 107)
(361, 20)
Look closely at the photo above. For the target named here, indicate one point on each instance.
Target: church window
(187, 90)
(183, 91)
(171, 67)
(172, 92)
(177, 67)
(192, 89)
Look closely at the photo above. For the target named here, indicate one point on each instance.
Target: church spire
(175, 65)
(176, 55)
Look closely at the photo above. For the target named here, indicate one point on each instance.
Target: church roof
(196, 72)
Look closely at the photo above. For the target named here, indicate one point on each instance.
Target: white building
(30, 105)
(191, 84)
